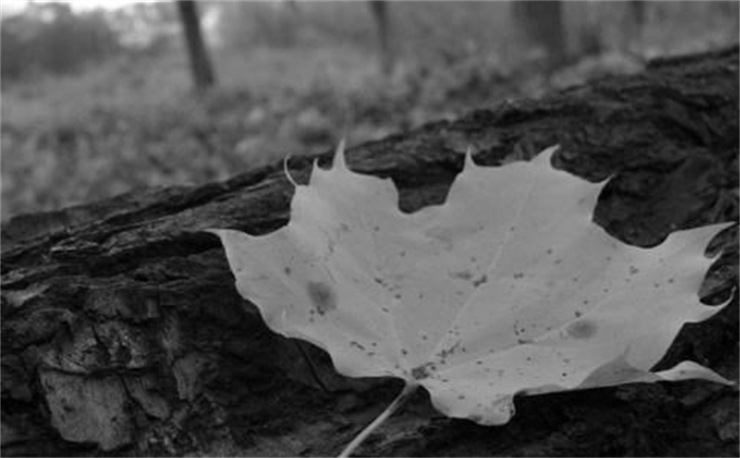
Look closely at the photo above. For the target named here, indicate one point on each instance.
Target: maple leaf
(507, 288)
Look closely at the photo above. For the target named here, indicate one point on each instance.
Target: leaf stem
(400, 400)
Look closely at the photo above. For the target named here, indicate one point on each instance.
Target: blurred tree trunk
(583, 32)
(542, 25)
(200, 63)
(294, 8)
(379, 10)
(637, 19)
(638, 8)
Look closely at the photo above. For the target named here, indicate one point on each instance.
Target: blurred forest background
(96, 102)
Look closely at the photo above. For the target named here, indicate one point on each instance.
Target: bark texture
(122, 332)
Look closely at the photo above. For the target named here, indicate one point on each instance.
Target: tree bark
(122, 332)
(200, 62)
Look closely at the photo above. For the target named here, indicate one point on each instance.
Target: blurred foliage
(427, 29)
(52, 38)
(125, 131)
(145, 28)
(292, 81)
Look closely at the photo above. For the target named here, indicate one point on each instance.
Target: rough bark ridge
(122, 332)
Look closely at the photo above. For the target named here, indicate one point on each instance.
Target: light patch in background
(10, 7)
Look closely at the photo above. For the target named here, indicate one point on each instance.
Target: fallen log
(123, 334)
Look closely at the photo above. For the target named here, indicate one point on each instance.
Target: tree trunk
(638, 8)
(123, 334)
(200, 63)
(379, 10)
(542, 25)
(634, 28)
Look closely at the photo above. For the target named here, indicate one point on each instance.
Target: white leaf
(506, 288)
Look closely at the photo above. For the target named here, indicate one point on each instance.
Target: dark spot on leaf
(518, 275)
(558, 261)
(443, 354)
(461, 397)
(463, 275)
(480, 281)
(404, 352)
(634, 270)
(422, 371)
(287, 270)
(578, 312)
(582, 329)
(549, 251)
(357, 344)
(670, 280)
(322, 296)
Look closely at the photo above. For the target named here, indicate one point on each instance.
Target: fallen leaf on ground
(507, 288)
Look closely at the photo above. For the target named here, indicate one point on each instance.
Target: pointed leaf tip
(469, 162)
(314, 168)
(340, 161)
(688, 370)
(545, 156)
(287, 172)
